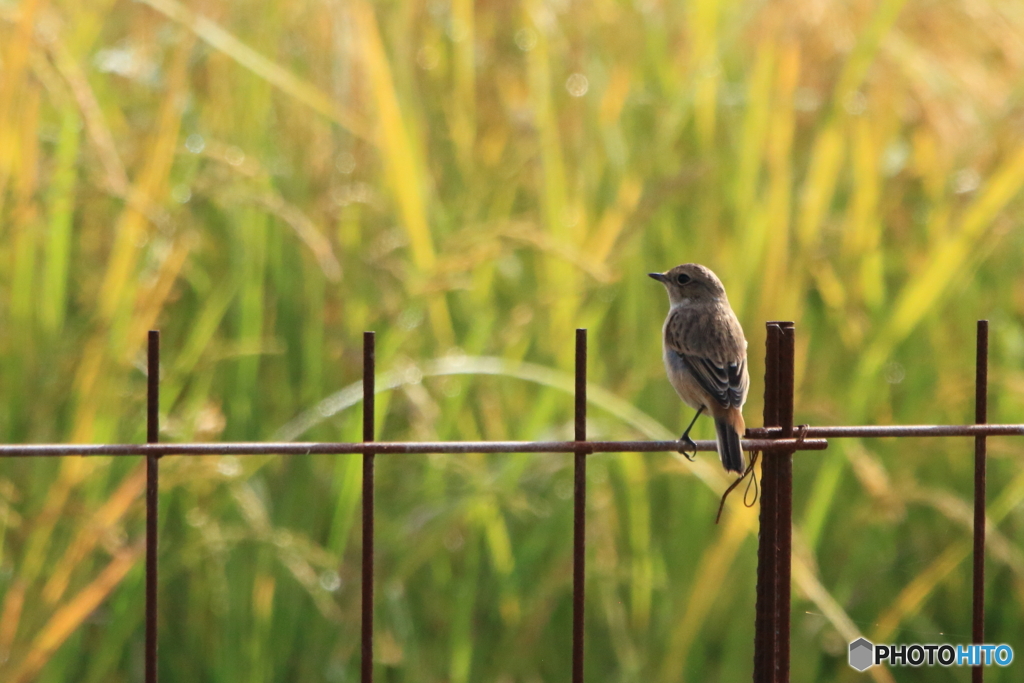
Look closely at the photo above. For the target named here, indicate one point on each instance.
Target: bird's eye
(682, 278)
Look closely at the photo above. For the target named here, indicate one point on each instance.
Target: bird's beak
(660, 277)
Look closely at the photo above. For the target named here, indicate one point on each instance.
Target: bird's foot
(687, 444)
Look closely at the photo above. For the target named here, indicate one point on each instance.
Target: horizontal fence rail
(779, 439)
(393, 447)
(916, 431)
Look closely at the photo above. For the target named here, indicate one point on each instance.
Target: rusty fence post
(774, 549)
(764, 636)
(369, 363)
(980, 417)
(152, 510)
(579, 512)
(784, 501)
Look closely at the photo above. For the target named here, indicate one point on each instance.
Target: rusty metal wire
(579, 511)
(980, 416)
(152, 500)
(369, 366)
(912, 431)
(390, 447)
(776, 440)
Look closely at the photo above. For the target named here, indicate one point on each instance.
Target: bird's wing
(724, 376)
(726, 383)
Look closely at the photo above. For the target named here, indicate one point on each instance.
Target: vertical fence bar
(980, 417)
(369, 363)
(764, 632)
(579, 512)
(784, 501)
(152, 489)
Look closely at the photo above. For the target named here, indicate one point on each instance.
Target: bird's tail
(729, 449)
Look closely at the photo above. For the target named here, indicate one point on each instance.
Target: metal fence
(778, 440)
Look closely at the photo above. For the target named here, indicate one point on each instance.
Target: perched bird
(706, 356)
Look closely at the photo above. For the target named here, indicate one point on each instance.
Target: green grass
(265, 182)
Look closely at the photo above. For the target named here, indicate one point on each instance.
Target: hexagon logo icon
(861, 654)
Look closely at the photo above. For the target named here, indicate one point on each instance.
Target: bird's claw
(687, 443)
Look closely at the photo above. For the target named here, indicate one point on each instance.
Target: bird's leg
(687, 441)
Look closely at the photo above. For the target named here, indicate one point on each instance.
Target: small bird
(705, 356)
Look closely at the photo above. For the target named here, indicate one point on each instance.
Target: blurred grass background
(474, 180)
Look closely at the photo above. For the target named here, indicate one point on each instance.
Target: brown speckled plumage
(705, 353)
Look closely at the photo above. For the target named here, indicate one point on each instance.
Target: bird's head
(690, 283)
